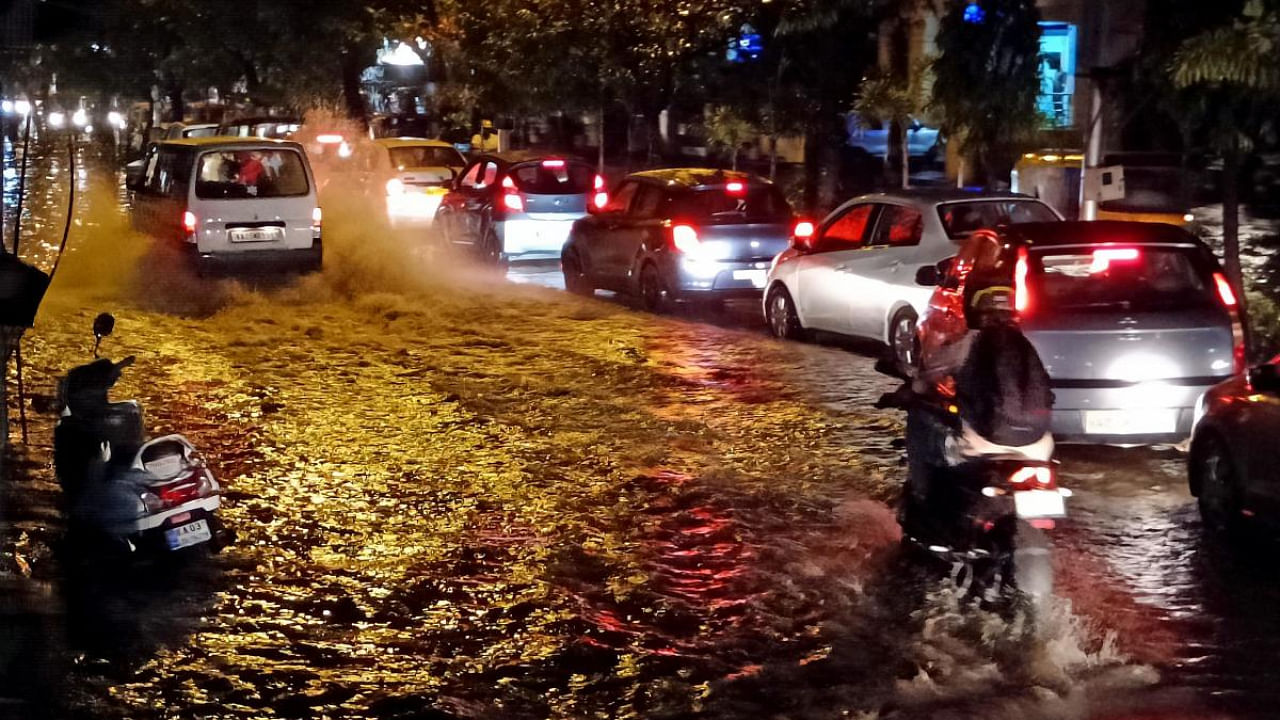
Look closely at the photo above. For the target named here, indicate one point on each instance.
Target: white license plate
(188, 535)
(267, 234)
(755, 276)
(1142, 421)
(1039, 504)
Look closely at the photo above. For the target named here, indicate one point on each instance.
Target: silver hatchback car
(1133, 321)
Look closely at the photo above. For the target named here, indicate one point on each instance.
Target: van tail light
(804, 230)
(600, 200)
(1021, 296)
(1232, 304)
(513, 202)
(189, 225)
(684, 238)
(316, 218)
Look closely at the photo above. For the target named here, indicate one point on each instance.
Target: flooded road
(462, 497)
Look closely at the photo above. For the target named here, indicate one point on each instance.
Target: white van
(235, 203)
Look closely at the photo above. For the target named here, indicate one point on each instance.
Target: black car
(517, 205)
(680, 234)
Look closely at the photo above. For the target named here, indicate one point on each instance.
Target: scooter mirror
(103, 325)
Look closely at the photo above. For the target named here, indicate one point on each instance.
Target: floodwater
(460, 496)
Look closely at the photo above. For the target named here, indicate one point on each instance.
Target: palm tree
(1228, 73)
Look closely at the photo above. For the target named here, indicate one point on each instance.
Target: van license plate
(188, 535)
(1039, 504)
(755, 276)
(1141, 421)
(267, 234)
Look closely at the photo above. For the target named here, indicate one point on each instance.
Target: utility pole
(1093, 152)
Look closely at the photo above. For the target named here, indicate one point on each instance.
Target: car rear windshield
(554, 178)
(759, 204)
(420, 156)
(253, 173)
(1138, 279)
(960, 219)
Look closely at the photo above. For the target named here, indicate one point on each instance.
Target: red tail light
(685, 239)
(599, 183)
(189, 222)
(552, 163)
(1021, 297)
(511, 201)
(600, 200)
(1225, 293)
(1025, 478)
(1103, 257)
(735, 188)
(316, 218)
(804, 230)
(508, 183)
(192, 486)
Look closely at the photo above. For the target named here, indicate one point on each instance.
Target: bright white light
(1189, 218)
(329, 139)
(80, 118)
(22, 107)
(116, 119)
(402, 55)
(1141, 367)
(6, 106)
(88, 129)
(57, 119)
(344, 150)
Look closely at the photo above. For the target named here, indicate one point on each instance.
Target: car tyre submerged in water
(575, 280)
(904, 343)
(654, 294)
(781, 315)
(1218, 486)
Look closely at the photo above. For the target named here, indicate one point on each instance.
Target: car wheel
(575, 280)
(491, 251)
(904, 343)
(654, 294)
(1219, 486)
(780, 312)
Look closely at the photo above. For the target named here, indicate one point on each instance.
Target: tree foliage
(986, 79)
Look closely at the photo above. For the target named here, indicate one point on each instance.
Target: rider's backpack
(1002, 389)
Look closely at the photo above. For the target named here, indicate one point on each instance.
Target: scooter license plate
(188, 535)
(1039, 504)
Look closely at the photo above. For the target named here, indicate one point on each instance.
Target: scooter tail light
(1029, 477)
(151, 502)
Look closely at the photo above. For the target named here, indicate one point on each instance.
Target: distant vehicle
(236, 203)
(415, 175)
(516, 205)
(1157, 186)
(279, 128)
(688, 234)
(856, 274)
(1133, 321)
(178, 131)
(395, 126)
(1235, 456)
(872, 137)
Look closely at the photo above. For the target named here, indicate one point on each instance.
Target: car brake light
(601, 199)
(1021, 297)
(395, 186)
(329, 139)
(804, 229)
(511, 201)
(685, 239)
(316, 217)
(735, 188)
(553, 163)
(599, 183)
(1103, 257)
(189, 222)
(508, 183)
(1225, 293)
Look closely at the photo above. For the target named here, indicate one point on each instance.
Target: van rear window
(251, 173)
(1138, 279)
(554, 178)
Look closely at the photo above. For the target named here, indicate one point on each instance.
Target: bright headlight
(116, 119)
(57, 119)
(80, 118)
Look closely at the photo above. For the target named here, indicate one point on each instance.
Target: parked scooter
(985, 516)
(142, 494)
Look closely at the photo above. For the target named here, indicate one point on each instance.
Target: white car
(247, 203)
(415, 174)
(856, 273)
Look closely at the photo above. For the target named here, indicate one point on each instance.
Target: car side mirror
(1265, 378)
(927, 276)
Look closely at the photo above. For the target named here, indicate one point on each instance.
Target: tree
(728, 130)
(1231, 76)
(893, 102)
(986, 79)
